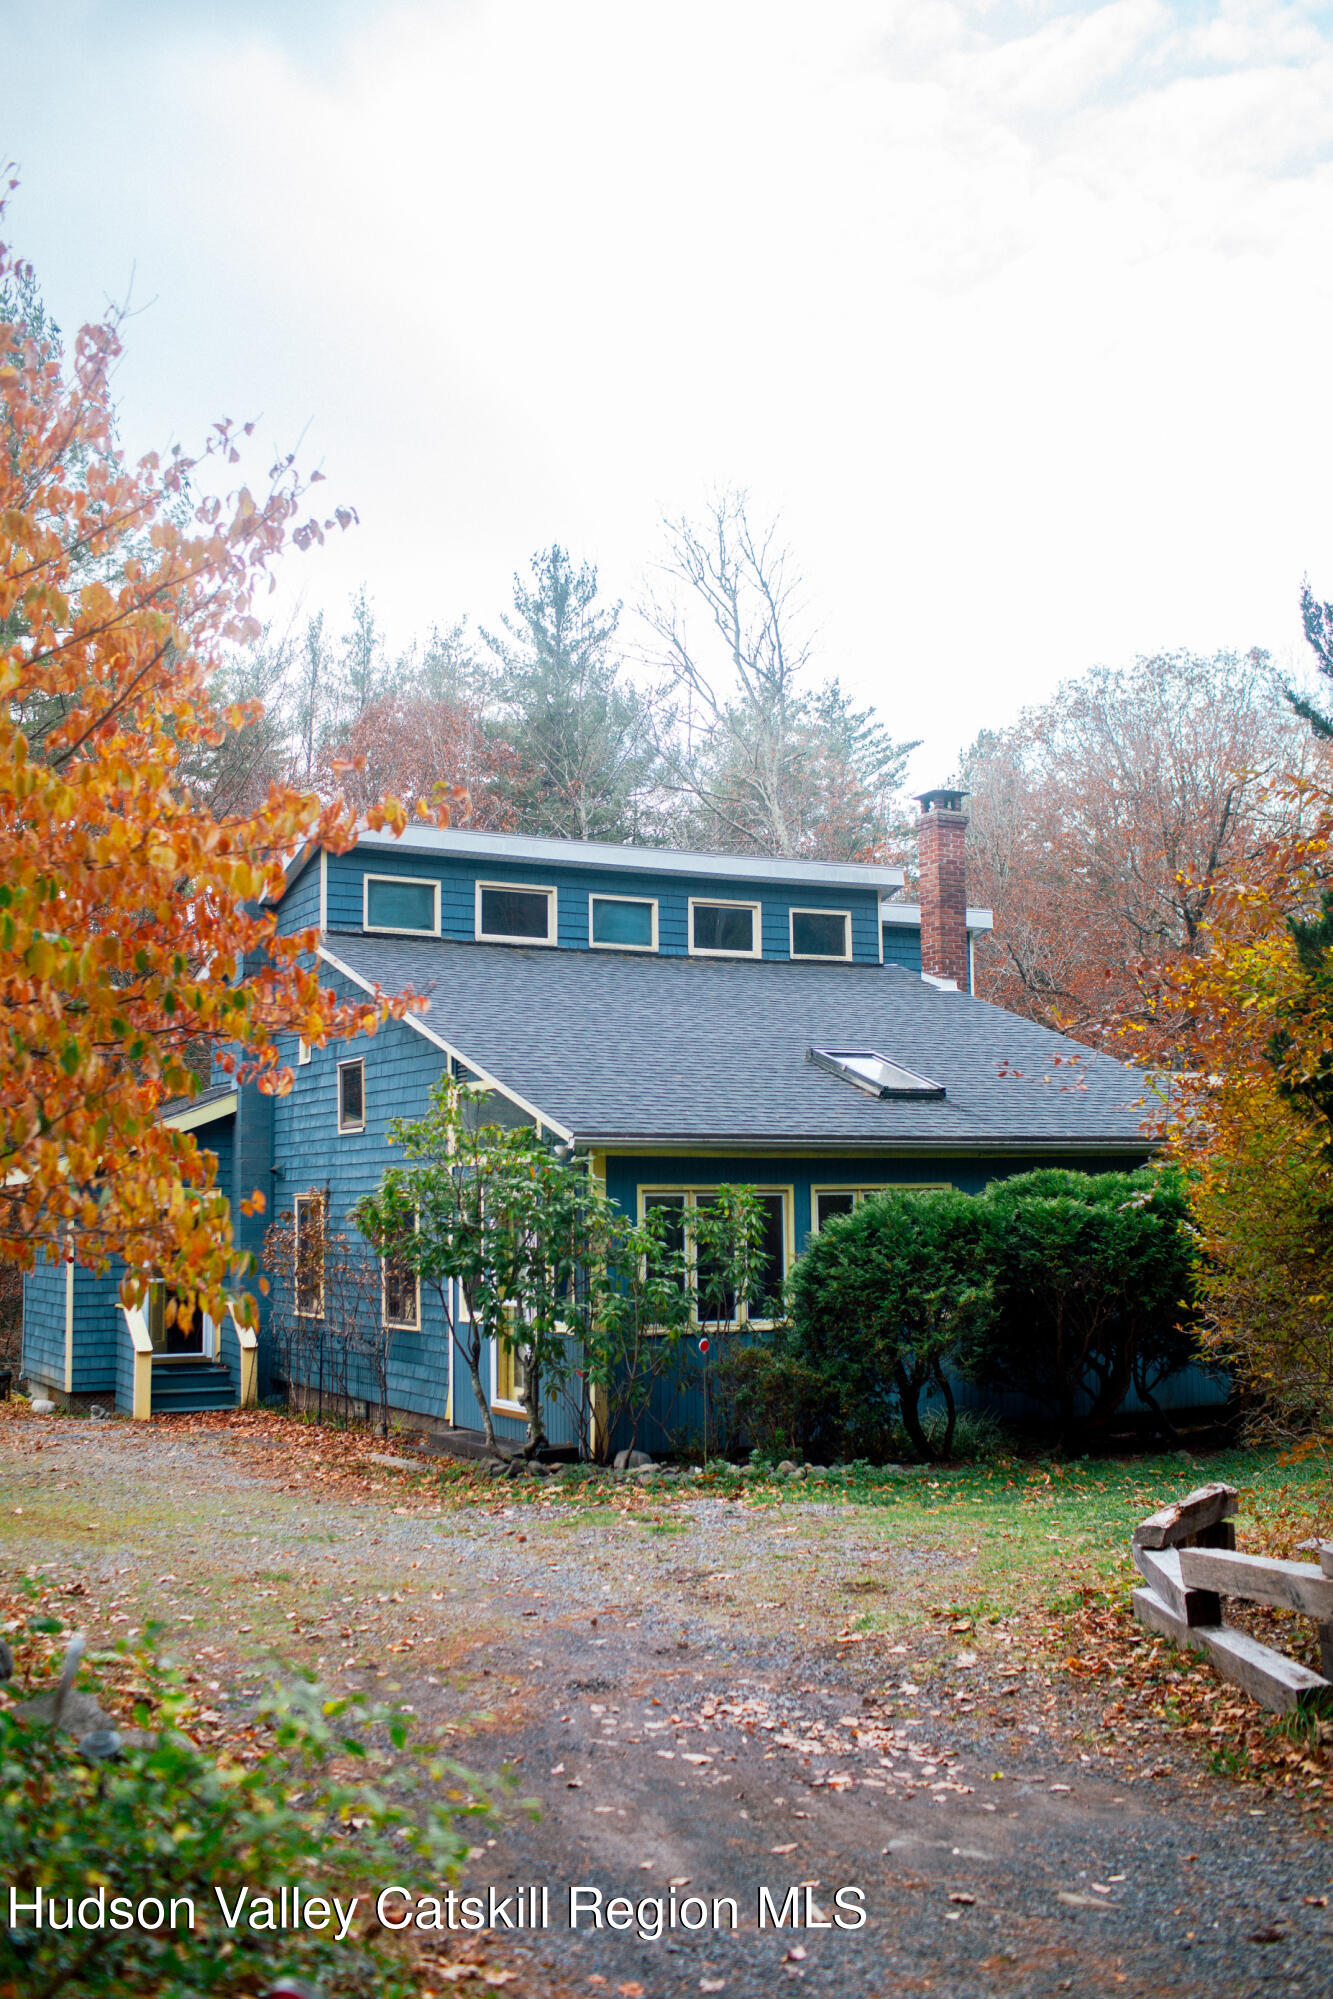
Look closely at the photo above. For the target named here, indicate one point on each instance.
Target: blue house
(683, 1020)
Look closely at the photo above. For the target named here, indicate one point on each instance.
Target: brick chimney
(941, 832)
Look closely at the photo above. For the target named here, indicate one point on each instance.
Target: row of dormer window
(506, 913)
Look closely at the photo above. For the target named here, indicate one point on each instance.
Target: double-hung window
(725, 929)
(508, 913)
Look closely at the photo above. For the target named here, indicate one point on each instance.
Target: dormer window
(724, 929)
(821, 933)
(393, 902)
(622, 923)
(866, 1069)
(508, 915)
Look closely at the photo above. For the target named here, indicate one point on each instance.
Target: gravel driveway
(686, 1698)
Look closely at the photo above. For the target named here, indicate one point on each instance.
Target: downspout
(69, 1315)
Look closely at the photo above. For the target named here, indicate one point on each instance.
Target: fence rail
(1189, 1562)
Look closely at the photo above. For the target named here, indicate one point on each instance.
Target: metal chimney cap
(942, 800)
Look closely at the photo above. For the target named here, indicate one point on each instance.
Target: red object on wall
(941, 842)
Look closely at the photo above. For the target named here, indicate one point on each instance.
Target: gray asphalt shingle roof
(615, 1047)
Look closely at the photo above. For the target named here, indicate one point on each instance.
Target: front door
(172, 1341)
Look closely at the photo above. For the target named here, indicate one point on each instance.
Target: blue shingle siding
(98, 1323)
(400, 1066)
(902, 946)
(44, 1323)
(299, 909)
(96, 1314)
(124, 1376)
(458, 879)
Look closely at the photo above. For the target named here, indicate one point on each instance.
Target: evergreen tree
(579, 729)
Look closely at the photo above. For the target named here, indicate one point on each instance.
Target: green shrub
(333, 1799)
(881, 1305)
(781, 1405)
(1093, 1289)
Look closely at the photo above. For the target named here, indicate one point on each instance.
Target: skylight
(866, 1069)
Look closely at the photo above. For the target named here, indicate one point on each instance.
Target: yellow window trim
(692, 1193)
(862, 1188)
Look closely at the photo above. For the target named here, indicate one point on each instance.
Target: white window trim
(602, 896)
(860, 1192)
(298, 1202)
(727, 902)
(350, 1130)
(820, 957)
(693, 1195)
(302, 1051)
(398, 881)
(517, 888)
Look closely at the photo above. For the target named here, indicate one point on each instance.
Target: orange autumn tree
(1102, 820)
(126, 911)
(1247, 1029)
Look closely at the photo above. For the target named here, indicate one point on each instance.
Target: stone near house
(787, 1467)
(41, 1407)
(630, 1460)
(394, 1464)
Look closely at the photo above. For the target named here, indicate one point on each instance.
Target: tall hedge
(1094, 1290)
(881, 1302)
(1070, 1287)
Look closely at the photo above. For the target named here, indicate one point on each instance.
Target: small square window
(516, 915)
(724, 929)
(396, 903)
(351, 1096)
(302, 1051)
(622, 923)
(820, 933)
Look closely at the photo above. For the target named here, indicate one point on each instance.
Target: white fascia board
(201, 1114)
(634, 860)
(909, 915)
(484, 1077)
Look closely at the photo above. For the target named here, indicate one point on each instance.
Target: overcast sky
(1018, 312)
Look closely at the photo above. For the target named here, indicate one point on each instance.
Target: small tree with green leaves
(503, 1216)
(638, 1315)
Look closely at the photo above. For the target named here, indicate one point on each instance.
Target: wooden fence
(1189, 1561)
